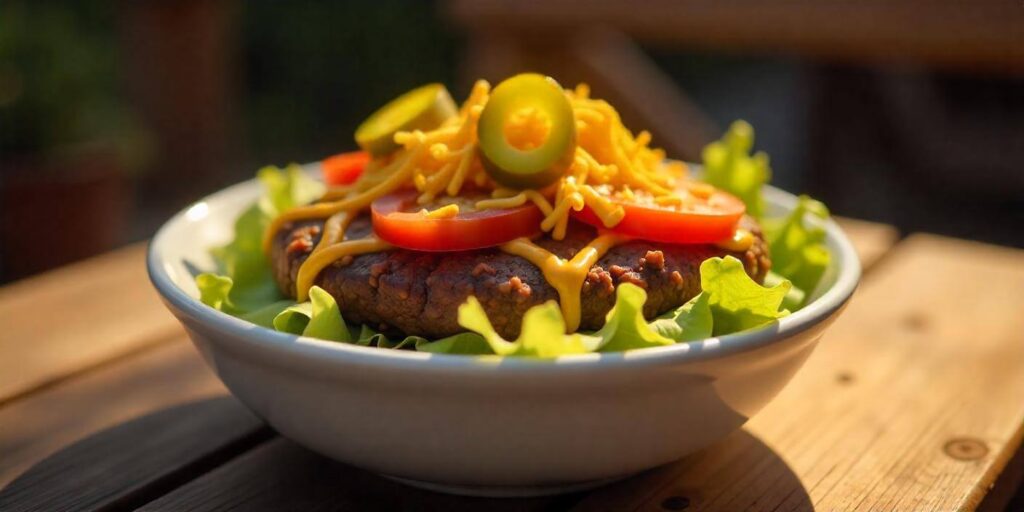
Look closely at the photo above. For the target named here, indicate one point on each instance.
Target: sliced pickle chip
(534, 104)
(423, 108)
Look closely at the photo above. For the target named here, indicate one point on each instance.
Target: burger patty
(403, 292)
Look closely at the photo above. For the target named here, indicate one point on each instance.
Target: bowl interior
(180, 250)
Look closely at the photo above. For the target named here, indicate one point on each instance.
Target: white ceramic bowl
(481, 425)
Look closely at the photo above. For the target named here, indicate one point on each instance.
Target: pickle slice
(423, 108)
(527, 167)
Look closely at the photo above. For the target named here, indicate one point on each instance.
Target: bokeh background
(116, 114)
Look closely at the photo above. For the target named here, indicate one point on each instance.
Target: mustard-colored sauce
(351, 204)
(324, 257)
(741, 241)
(566, 276)
(334, 230)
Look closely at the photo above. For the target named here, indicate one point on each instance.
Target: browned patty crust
(418, 293)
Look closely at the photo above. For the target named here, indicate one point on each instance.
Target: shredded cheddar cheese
(444, 160)
(609, 162)
(350, 203)
(445, 212)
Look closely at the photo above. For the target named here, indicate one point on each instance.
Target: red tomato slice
(700, 221)
(344, 168)
(398, 221)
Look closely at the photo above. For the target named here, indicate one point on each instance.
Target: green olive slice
(532, 167)
(423, 108)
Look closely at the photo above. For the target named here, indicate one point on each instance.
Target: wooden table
(913, 401)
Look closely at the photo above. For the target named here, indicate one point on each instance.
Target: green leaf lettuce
(736, 301)
(243, 282)
(729, 166)
(542, 335)
(625, 327)
(798, 250)
(317, 318)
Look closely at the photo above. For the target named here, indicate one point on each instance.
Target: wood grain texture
(77, 317)
(1007, 494)
(36, 426)
(870, 239)
(135, 462)
(280, 475)
(913, 401)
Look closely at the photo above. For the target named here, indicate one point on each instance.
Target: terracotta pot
(60, 209)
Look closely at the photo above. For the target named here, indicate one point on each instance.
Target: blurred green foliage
(314, 70)
(59, 79)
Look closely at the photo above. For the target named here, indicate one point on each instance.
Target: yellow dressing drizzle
(323, 210)
(741, 241)
(322, 258)
(566, 276)
(334, 229)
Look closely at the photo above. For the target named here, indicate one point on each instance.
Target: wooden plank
(135, 462)
(985, 35)
(280, 475)
(871, 239)
(76, 317)
(913, 401)
(1008, 491)
(36, 426)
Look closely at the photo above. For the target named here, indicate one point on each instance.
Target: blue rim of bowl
(321, 351)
